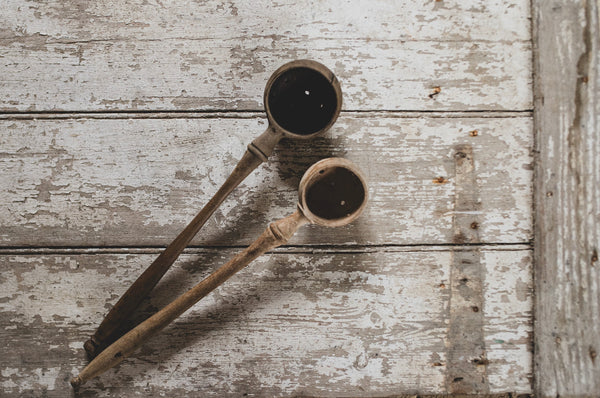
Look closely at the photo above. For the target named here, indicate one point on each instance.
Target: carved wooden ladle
(332, 193)
(302, 99)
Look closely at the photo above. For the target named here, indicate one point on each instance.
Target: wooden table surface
(119, 121)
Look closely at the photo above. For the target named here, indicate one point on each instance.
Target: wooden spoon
(332, 193)
(302, 99)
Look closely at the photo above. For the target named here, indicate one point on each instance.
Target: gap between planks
(250, 114)
(440, 39)
(287, 249)
(501, 395)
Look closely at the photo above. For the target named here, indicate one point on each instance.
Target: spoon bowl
(332, 192)
(302, 99)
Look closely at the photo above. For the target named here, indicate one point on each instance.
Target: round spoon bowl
(333, 192)
(302, 99)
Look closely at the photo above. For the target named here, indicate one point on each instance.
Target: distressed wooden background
(119, 120)
(567, 198)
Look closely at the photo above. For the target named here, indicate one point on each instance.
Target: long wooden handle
(110, 328)
(276, 234)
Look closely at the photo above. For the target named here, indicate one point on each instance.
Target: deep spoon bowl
(302, 99)
(332, 192)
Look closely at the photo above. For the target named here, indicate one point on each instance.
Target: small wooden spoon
(332, 193)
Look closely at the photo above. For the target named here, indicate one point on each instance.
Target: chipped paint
(140, 79)
(467, 359)
(257, 333)
(351, 313)
(138, 182)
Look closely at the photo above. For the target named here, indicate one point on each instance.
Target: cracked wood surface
(567, 233)
(89, 182)
(74, 56)
(295, 322)
(119, 120)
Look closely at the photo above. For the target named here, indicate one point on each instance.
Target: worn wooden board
(119, 120)
(217, 74)
(450, 20)
(138, 182)
(567, 233)
(71, 56)
(296, 322)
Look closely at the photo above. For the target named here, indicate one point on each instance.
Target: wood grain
(70, 56)
(295, 322)
(450, 20)
(223, 75)
(119, 120)
(567, 198)
(466, 337)
(138, 182)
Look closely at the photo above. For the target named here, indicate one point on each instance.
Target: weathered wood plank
(507, 304)
(217, 74)
(88, 182)
(294, 323)
(466, 334)
(208, 55)
(567, 198)
(350, 314)
(450, 20)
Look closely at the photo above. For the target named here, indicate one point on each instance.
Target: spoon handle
(110, 328)
(275, 234)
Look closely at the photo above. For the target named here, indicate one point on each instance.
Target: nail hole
(475, 308)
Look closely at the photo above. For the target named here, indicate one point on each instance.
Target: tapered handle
(109, 329)
(277, 233)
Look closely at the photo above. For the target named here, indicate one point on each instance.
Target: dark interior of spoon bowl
(302, 101)
(335, 193)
